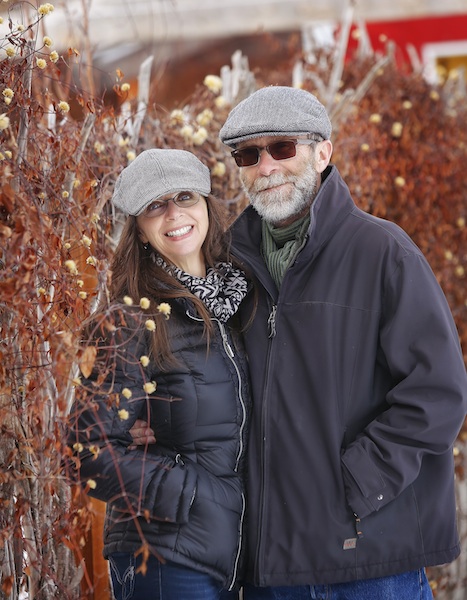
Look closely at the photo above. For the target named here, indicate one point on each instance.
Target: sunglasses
(182, 199)
(249, 156)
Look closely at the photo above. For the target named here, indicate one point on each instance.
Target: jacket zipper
(272, 321)
(231, 356)
(230, 353)
(264, 408)
(272, 318)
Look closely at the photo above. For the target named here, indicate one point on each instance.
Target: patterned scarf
(221, 291)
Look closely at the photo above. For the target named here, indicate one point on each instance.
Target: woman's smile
(178, 233)
(175, 233)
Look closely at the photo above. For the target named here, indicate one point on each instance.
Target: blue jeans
(407, 586)
(166, 581)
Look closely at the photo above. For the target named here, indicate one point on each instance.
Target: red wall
(417, 32)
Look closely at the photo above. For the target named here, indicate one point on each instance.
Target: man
(359, 386)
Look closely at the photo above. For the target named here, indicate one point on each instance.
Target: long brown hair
(135, 274)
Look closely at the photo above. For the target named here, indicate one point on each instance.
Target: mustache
(264, 183)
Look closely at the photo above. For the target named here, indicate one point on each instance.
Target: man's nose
(266, 164)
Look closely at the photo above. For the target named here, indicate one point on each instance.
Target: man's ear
(323, 153)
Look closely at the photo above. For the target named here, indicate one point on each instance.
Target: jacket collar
(332, 205)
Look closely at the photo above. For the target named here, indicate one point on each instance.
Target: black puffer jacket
(359, 390)
(184, 494)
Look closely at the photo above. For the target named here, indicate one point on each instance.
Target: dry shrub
(401, 148)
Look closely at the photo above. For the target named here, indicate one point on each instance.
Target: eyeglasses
(249, 156)
(182, 199)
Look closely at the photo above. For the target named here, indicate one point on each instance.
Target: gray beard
(276, 206)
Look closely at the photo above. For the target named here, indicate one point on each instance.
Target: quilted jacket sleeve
(141, 481)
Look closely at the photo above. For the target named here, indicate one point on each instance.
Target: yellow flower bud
(187, 132)
(150, 325)
(213, 83)
(220, 102)
(145, 303)
(94, 450)
(45, 9)
(205, 117)
(71, 266)
(200, 136)
(123, 414)
(4, 121)
(64, 106)
(396, 129)
(177, 117)
(164, 308)
(149, 387)
(218, 169)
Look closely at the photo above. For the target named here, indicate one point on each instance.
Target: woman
(168, 353)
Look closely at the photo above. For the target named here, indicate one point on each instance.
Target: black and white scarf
(221, 291)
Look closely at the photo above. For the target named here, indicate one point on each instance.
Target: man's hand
(142, 434)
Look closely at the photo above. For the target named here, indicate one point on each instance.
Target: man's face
(281, 191)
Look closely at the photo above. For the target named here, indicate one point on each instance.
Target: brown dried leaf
(88, 358)
(7, 584)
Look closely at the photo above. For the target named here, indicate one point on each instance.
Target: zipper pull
(225, 341)
(272, 322)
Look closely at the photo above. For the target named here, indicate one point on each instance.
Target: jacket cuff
(175, 494)
(364, 486)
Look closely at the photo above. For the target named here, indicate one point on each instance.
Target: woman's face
(176, 226)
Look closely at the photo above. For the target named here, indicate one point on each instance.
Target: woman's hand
(142, 434)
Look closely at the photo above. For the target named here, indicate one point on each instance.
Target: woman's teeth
(178, 232)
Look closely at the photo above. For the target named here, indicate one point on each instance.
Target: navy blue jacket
(359, 392)
(183, 495)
